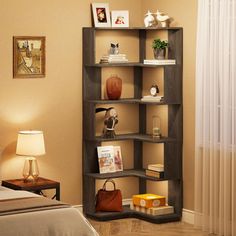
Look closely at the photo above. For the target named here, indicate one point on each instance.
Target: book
(118, 158)
(106, 159)
(109, 159)
(155, 211)
(150, 98)
(156, 167)
(152, 173)
(160, 62)
(114, 58)
(148, 200)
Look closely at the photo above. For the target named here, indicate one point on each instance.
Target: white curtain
(215, 165)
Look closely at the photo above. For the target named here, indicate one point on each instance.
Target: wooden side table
(35, 187)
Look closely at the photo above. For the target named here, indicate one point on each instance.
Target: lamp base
(31, 170)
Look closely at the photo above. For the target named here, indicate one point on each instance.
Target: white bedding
(57, 222)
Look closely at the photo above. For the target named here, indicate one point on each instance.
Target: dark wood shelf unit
(134, 28)
(130, 101)
(129, 173)
(138, 137)
(92, 77)
(128, 213)
(127, 64)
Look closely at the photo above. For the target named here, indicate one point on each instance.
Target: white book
(150, 98)
(155, 211)
(114, 55)
(160, 62)
(106, 159)
(156, 167)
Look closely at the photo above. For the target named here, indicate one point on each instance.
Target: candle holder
(156, 127)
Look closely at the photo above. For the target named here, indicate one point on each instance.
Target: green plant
(158, 44)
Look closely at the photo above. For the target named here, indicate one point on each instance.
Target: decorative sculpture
(114, 49)
(163, 19)
(157, 19)
(110, 120)
(149, 20)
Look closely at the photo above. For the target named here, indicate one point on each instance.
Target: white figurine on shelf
(163, 19)
(149, 20)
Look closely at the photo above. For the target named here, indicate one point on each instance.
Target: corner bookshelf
(172, 144)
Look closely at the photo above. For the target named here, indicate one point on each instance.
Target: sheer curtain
(215, 166)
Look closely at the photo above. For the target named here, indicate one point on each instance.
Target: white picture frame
(101, 15)
(120, 19)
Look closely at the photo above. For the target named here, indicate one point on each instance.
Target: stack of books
(151, 204)
(160, 62)
(114, 58)
(150, 98)
(155, 170)
(155, 211)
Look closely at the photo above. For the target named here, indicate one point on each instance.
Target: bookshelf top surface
(133, 28)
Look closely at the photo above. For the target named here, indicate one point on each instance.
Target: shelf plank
(127, 212)
(134, 28)
(136, 136)
(125, 173)
(129, 101)
(126, 64)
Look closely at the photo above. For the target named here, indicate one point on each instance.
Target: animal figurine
(163, 19)
(110, 120)
(114, 49)
(149, 20)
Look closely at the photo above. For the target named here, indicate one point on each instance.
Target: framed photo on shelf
(28, 57)
(101, 15)
(120, 18)
(118, 158)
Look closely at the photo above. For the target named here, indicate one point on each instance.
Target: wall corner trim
(188, 216)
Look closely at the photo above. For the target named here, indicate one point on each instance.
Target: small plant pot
(159, 53)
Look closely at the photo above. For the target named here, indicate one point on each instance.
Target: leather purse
(109, 200)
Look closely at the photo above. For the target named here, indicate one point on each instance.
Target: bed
(27, 214)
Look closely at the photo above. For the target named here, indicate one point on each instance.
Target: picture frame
(101, 15)
(120, 19)
(29, 56)
(118, 158)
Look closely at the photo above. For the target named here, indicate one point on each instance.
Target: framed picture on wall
(120, 18)
(28, 57)
(101, 15)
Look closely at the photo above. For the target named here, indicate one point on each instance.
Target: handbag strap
(109, 180)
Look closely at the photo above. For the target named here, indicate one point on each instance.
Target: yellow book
(149, 200)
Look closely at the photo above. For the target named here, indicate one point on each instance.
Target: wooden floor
(135, 227)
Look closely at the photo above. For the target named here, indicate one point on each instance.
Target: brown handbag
(109, 200)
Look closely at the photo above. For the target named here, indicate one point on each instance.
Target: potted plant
(159, 48)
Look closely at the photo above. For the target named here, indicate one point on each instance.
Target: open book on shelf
(109, 159)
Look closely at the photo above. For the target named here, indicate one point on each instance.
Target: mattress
(54, 222)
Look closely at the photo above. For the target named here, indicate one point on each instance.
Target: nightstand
(35, 187)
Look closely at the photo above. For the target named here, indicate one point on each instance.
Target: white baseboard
(187, 215)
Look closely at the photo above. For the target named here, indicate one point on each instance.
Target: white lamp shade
(30, 143)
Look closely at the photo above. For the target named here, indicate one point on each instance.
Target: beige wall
(185, 14)
(52, 104)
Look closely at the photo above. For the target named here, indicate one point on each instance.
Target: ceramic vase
(114, 87)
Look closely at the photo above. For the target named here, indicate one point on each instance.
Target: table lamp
(30, 144)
